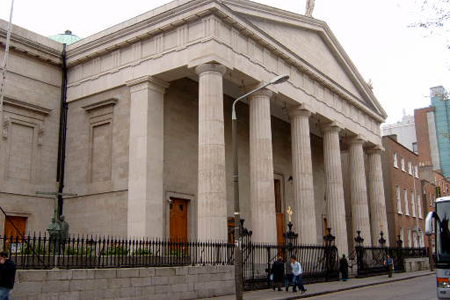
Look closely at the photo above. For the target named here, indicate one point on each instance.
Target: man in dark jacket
(343, 267)
(278, 273)
(7, 275)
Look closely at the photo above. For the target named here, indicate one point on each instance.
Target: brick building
(427, 147)
(404, 200)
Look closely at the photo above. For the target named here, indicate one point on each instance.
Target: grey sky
(401, 62)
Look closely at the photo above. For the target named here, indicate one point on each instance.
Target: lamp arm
(233, 112)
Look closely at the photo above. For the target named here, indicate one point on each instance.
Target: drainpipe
(62, 136)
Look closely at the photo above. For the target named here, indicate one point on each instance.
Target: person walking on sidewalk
(277, 273)
(389, 262)
(343, 267)
(297, 271)
(7, 275)
(288, 275)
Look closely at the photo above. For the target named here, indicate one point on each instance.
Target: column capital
(148, 82)
(210, 68)
(299, 110)
(377, 149)
(331, 127)
(357, 139)
(264, 92)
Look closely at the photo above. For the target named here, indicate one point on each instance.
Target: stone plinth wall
(123, 284)
(417, 264)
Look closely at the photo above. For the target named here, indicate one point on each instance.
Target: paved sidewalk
(325, 287)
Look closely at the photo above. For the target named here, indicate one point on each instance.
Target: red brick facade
(422, 134)
(401, 181)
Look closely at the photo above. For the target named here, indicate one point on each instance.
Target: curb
(354, 287)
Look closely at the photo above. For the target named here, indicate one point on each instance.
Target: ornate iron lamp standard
(359, 239)
(238, 238)
(330, 253)
(382, 240)
(399, 242)
(290, 235)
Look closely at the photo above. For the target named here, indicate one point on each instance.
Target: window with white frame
(402, 162)
(399, 200)
(410, 244)
(402, 234)
(406, 203)
(395, 160)
(410, 168)
(413, 204)
(416, 171)
(419, 206)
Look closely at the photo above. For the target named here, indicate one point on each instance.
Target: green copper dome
(65, 38)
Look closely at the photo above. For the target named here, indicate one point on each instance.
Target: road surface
(422, 288)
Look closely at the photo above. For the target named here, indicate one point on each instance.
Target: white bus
(438, 222)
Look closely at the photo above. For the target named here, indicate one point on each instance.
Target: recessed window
(406, 203)
(399, 200)
(419, 206)
(402, 162)
(395, 160)
(410, 168)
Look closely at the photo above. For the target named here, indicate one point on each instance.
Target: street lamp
(237, 232)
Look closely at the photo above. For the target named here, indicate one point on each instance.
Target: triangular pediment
(313, 42)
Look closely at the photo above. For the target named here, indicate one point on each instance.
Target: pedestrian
(7, 275)
(389, 263)
(297, 271)
(277, 273)
(288, 275)
(343, 267)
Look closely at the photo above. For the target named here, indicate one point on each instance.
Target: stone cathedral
(149, 146)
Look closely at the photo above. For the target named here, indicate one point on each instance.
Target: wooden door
(14, 233)
(279, 213)
(178, 220)
(19, 223)
(325, 226)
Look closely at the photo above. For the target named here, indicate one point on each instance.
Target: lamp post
(238, 239)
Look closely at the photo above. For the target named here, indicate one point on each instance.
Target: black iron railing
(319, 263)
(371, 260)
(41, 252)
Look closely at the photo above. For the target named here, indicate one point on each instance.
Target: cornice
(170, 19)
(100, 104)
(32, 48)
(280, 16)
(140, 30)
(28, 106)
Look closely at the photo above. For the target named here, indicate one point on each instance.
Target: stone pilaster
(376, 196)
(211, 195)
(304, 209)
(146, 158)
(358, 190)
(334, 186)
(262, 197)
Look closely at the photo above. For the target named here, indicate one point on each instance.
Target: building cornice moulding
(100, 104)
(296, 20)
(230, 18)
(28, 106)
(32, 48)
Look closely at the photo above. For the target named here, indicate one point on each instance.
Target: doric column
(376, 196)
(334, 186)
(146, 158)
(211, 195)
(358, 190)
(303, 176)
(262, 195)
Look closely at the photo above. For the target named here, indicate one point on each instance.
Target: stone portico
(150, 127)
